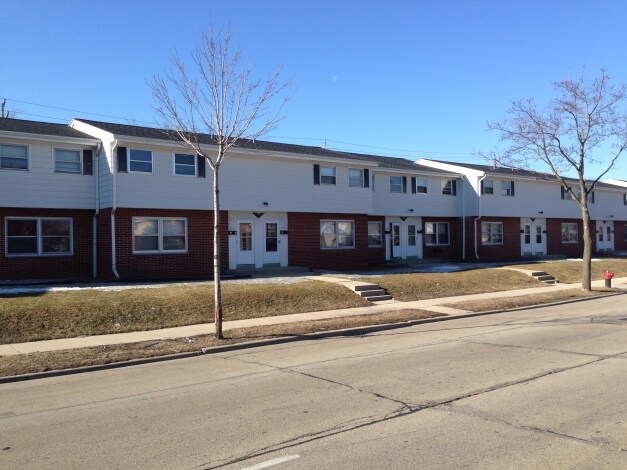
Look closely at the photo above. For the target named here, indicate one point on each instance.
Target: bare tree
(584, 124)
(212, 105)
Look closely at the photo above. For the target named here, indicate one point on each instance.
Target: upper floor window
(396, 184)
(184, 164)
(625, 199)
(358, 178)
(38, 236)
(449, 187)
(421, 186)
(327, 174)
(487, 187)
(13, 157)
(507, 188)
(437, 233)
(337, 234)
(159, 234)
(140, 161)
(375, 236)
(491, 233)
(73, 161)
(569, 233)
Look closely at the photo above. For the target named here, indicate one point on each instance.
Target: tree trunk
(216, 255)
(586, 278)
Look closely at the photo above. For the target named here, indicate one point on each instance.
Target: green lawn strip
(420, 286)
(71, 358)
(569, 272)
(525, 300)
(92, 312)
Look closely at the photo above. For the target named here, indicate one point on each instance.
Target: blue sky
(404, 78)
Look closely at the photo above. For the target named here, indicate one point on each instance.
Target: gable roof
(156, 133)
(41, 128)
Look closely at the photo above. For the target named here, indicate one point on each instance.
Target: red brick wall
(619, 235)
(510, 249)
(304, 242)
(451, 251)
(76, 266)
(196, 263)
(554, 238)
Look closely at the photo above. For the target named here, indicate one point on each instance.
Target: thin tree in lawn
(218, 97)
(584, 124)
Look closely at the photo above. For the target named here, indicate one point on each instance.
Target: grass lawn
(419, 286)
(568, 272)
(71, 358)
(93, 312)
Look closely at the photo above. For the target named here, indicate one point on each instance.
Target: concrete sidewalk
(435, 305)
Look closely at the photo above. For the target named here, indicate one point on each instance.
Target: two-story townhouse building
(47, 201)
(97, 199)
(513, 213)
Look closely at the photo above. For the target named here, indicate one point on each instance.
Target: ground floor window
(38, 236)
(491, 233)
(437, 233)
(337, 234)
(375, 238)
(159, 234)
(569, 233)
(625, 233)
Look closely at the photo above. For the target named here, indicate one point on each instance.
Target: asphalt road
(543, 388)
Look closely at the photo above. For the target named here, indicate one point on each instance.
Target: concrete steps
(372, 292)
(544, 277)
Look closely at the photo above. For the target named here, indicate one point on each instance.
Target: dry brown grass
(71, 358)
(569, 272)
(92, 312)
(525, 300)
(419, 286)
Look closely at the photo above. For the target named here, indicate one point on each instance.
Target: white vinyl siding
(38, 236)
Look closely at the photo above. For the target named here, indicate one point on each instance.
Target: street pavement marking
(272, 462)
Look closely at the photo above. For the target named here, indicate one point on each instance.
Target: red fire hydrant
(608, 275)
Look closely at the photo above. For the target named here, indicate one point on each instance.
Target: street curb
(356, 331)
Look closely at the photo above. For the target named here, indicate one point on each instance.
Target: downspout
(463, 217)
(479, 216)
(94, 226)
(114, 267)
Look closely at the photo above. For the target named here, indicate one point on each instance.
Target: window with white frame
(396, 184)
(487, 187)
(437, 233)
(449, 187)
(159, 235)
(421, 186)
(569, 233)
(184, 164)
(355, 178)
(78, 162)
(375, 236)
(327, 175)
(13, 157)
(38, 236)
(507, 188)
(491, 233)
(140, 161)
(337, 234)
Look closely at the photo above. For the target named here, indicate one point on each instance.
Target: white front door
(605, 236)
(245, 250)
(412, 240)
(271, 243)
(533, 239)
(396, 240)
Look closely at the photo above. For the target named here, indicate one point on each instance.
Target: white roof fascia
(450, 167)
(616, 182)
(94, 131)
(49, 138)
